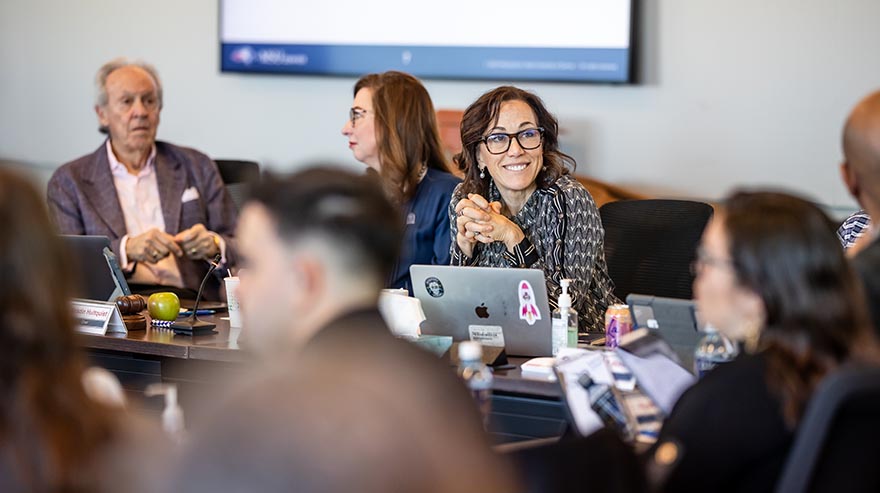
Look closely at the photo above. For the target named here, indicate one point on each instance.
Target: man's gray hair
(118, 63)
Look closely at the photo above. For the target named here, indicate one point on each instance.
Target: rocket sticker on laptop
(528, 311)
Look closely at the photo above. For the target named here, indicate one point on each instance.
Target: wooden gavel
(131, 307)
(131, 304)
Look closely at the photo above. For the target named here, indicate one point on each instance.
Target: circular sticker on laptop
(434, 287)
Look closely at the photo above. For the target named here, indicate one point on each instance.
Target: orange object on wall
(449, 122)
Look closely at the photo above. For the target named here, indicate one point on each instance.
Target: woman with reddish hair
(392, 128)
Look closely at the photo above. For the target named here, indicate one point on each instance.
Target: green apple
(164, 306)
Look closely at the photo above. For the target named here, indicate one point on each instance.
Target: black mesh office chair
(650, 244)
(238, 176)
(836, 446)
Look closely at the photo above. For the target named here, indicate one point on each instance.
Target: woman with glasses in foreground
(770, 274)
(392, 128)
(519, 206)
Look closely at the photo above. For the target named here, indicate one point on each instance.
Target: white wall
(734, 92)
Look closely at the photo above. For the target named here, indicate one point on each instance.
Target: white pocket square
(189, 194)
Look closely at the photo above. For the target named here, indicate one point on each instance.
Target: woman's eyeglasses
(356, 114)
(528, 139)
(704, 259)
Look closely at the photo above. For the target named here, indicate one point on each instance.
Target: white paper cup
(232, 301)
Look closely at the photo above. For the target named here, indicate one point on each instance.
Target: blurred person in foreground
(58, 430)
(338, 404)
(770, 274)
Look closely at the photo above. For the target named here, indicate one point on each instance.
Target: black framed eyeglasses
(703, 259)
(528, 139)
(356, 114)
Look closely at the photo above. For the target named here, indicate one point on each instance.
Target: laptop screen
(94, 279)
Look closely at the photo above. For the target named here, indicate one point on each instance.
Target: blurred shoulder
(186, 154)
(441, 181)
(742, 378)
(81, 165)
(734, 393)
(436, 188)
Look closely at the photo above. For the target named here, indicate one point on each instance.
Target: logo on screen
(482, 311)
(244, 55)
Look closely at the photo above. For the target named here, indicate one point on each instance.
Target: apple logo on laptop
(482, 311)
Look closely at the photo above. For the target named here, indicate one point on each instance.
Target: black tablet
(95, 267)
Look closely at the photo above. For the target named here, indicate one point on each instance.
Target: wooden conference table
(522, 408)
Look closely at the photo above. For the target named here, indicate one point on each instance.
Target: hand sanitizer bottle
(565, 323)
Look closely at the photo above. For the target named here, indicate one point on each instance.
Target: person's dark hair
(786, 250)
(351, 210)
(483, 114)
(407, 134)
(52, 428)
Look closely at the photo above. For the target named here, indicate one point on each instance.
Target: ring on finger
(192, 251)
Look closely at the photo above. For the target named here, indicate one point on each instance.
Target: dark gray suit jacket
(83, 201)
(867, 266)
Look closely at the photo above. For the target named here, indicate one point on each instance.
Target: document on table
(571, 365)
(659, 377)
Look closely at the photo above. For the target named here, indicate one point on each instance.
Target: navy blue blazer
(426, 238)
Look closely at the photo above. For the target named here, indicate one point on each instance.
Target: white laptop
(495, 306)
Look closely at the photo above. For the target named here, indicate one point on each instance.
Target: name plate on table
(487, 335)
(97, 317)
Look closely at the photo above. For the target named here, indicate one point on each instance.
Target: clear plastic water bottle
(712, 350)
(477, 376)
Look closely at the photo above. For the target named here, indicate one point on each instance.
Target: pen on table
(205, 311)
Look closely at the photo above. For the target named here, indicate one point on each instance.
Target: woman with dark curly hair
(519, 207)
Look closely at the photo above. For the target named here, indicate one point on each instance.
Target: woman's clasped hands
(478, 220)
